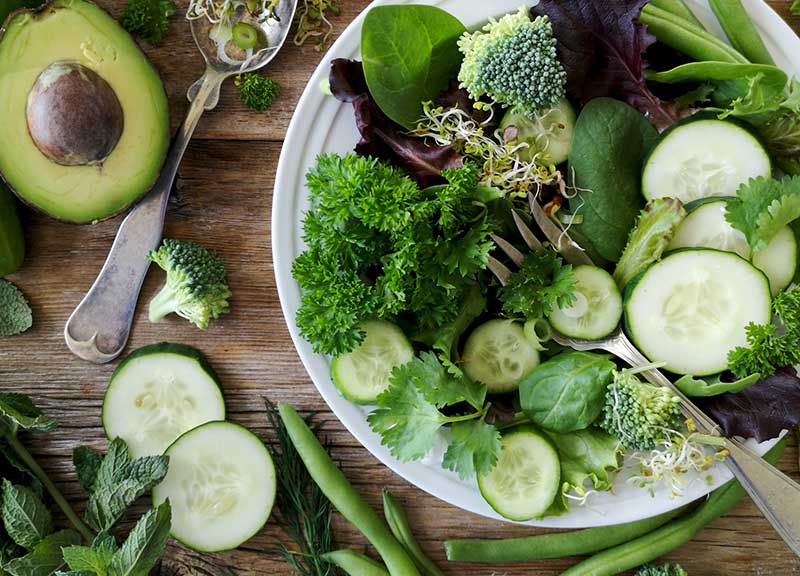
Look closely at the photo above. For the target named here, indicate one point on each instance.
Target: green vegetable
(565, 393)
(513, 60)
(148, 18)
(12, 240)
(195, 287)
(25, 517)
(45, 557)
(713, 385)
(554, 545)
(355, 564)
(678, 8)
(741, 31)
(611, 141)
(10, 5)
(256, 91)
(639, 413)
(245, 35)
(15, 313)
(649, 238)
(588, 454)
(542, 283)
(312, 22)
(663, 540)
(398, 524)
(343, 496)
(795, 7)
(445, 338)
(763, 207)
(409, 55)
(662, 570)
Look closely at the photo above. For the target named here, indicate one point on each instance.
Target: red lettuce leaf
(760, 411)
(601, 44)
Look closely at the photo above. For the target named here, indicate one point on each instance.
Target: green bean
(398, 524)
(343, 496)
(679, 8)
(554, 545)
(741, 31)
(670, 536)
(355, 564)
(687, 38)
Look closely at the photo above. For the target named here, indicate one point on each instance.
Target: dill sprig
(304, 512)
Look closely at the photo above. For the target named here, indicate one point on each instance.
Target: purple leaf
(601, 45)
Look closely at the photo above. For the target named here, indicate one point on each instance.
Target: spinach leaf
(566, 393)
(713, 385)
(610, 143)
(587, 454)
(410, 54)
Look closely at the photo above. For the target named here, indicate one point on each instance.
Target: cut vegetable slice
(361, 375)
(157, 393)
(702, 157)
(498, 354)
(597, 308)
(221, 484)
(527, 476)
(691, 309)
(778, 260)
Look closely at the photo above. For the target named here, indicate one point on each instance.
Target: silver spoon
(98, 329)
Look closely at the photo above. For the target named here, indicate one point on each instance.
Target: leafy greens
(763, 207)
(542, 283)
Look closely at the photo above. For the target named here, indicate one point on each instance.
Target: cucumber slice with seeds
(597, 308)
(498, 354)
(778, 260)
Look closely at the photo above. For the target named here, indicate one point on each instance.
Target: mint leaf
(25, 473)
(27, 520)
(23, 413)
(763, 207)
(87, 464)
(144, 545)
(8, 549)
(85, 559)
(474, 448)
(46, 558)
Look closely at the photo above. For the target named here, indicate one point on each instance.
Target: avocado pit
(74, 116)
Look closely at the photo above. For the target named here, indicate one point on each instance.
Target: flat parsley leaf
(27, 520)
(474, 448)
(542, 283)
(45, 558)
(763, 207)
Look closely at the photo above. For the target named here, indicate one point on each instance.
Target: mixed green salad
(572, 168)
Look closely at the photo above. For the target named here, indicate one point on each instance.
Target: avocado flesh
(79, 31)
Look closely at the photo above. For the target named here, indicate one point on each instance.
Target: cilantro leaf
(474, 448)
(145, 544)
(21, 412)
(542, 283)
(763, 207)
(45, 558)
(25, 517)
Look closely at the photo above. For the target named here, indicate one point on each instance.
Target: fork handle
(98, 329)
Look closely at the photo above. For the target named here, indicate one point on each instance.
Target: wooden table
(223, 199)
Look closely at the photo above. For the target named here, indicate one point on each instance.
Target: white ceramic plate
(323, 124)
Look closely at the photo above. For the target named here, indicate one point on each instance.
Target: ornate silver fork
(775, 494)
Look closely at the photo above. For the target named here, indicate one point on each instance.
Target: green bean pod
(355, 564)
(398, 524)
(679, 8)
(741, 31)
(343, 496)
(682, 35)
(555, 545)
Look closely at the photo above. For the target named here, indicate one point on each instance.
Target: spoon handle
(98, 328)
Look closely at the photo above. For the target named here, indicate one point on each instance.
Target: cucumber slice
(157, 393)
(498, 354)
(361, 375)
(778, 260)
(221, 484)
(691, 308)
(526, 478)
(701, 157)
(597, 308)
(549, 133)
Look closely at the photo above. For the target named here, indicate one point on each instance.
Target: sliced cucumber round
(526, 478)
(361, 375)
(498, 354)
(778, 260)
(691, 308)
(548, 134)
(597, 308)
(157, 393)
(221, 484)
(703, 156)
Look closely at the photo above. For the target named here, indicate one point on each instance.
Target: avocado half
(84, 119)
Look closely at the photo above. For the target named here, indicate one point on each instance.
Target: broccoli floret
(663, 570)
(15, 312)
(256, 91)
(195, 287)
(514, 61)
(148, 18)
(638, 413)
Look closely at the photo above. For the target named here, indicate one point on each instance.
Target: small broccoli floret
(15, 312)
(148, 18)
(256, 91)
(663, 570)
(639, 414)
(195, 287)
(514, 61)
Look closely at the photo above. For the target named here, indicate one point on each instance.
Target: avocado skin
(12, 240)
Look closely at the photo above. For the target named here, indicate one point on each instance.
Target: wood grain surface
(223, 199)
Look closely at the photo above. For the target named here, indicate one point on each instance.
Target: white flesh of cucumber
(154, 398)
(597, 308)
(498, 354)
(526, 478)
(221, 484)
(361, 375)
(549, 134)
(703, 158)
(691, 308)
(778, 260)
